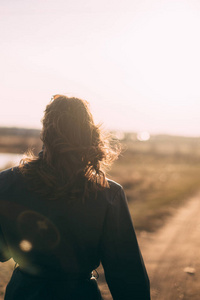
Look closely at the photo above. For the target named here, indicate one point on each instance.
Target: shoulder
(112, 192)
(8, 177)
(114, 186)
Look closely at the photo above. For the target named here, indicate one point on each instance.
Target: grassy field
(157, 175)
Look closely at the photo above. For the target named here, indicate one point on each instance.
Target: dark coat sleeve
(6, 179)
(4, 251)
(120, 254)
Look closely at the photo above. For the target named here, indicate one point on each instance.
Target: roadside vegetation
(158, 176)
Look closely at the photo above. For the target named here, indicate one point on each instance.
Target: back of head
(74, 151)
(68, 132)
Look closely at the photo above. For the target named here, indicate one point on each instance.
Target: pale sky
(136, 61)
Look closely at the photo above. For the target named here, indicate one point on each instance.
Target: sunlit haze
(137, 62)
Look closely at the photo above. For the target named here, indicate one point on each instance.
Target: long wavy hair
(75, 152)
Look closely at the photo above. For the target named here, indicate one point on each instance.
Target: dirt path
(166, 253)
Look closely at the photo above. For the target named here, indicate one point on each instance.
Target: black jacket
(58, 243)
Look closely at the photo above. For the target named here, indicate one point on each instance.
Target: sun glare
(143, 136)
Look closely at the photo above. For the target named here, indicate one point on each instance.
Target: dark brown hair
(75, 152)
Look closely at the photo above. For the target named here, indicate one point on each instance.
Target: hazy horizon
(119, 132)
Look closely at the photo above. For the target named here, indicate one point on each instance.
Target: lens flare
(25, 246)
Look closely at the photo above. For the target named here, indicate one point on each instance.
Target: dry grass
(157, 177)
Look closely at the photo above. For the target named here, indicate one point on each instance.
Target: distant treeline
(10, 131)
(19, 140)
